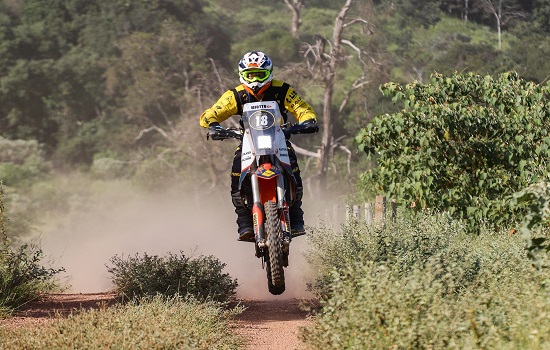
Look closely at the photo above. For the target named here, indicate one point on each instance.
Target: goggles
(253, 75)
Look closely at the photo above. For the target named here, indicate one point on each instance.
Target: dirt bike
(267, 184)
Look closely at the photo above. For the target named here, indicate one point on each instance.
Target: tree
(503, 12)
(295, 6)
(463, 144)
(324, 58)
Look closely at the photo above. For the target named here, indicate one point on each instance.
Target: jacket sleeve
(224, 108)
(301, 110)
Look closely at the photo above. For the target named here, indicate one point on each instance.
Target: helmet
(255, 71)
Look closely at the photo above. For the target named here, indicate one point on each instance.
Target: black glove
(307, 127)
(214, 130)
(215, 127)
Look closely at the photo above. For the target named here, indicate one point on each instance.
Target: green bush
(149, 275)
(424, 283)
(22, 277)
(463, 144)
(154, 323)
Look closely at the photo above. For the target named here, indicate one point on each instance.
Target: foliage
(22, 277)
(528, 50)
(53, 81)
(541, 13)
(463, 144)
(535, 224)
(148, 275)
(155, 70)
(422, 282)
(280, 46)
(22, 162)
(155, 323)
(3, 234)
(418, 12)
(454, 45)
(127, 80)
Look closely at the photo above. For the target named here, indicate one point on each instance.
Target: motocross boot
(244, 219)
(297, 214)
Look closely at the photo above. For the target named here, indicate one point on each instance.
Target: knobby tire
(274, 261)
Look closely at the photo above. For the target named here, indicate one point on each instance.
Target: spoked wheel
(274, 252)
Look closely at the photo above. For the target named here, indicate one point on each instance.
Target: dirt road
(272, 324)
(267, 324)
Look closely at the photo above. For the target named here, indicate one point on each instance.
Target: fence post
(368, 214)
(379, 208)
(356, 212)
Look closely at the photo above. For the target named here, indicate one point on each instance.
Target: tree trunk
(329, 89)
(295, 6)
(327, 130)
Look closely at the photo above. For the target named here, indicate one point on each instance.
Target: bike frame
(265, 159)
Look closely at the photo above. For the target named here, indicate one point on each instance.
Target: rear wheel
(274, 253)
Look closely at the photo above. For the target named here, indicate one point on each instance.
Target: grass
(421, 283)
(150, 323)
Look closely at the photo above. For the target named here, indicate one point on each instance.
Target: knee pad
(299, 193)
(237, 200)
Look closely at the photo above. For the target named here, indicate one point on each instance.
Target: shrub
(148, 275)
(410, 241)
(22, 277)
(153, 323)
(375, 307)
(424, 283)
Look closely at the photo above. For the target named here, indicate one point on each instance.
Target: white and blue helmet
(255, 70)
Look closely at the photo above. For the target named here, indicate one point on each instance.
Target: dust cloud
(156, 225)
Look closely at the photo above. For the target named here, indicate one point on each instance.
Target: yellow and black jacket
(231, 102)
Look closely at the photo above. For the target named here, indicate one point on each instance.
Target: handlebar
(305, 128)
(224, 134)
(288, 129)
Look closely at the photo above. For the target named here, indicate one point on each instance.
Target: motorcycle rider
(255, 72)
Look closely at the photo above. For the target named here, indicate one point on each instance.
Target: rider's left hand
(215, 127)
(309, 127)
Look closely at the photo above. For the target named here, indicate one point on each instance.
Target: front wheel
(274, 254)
